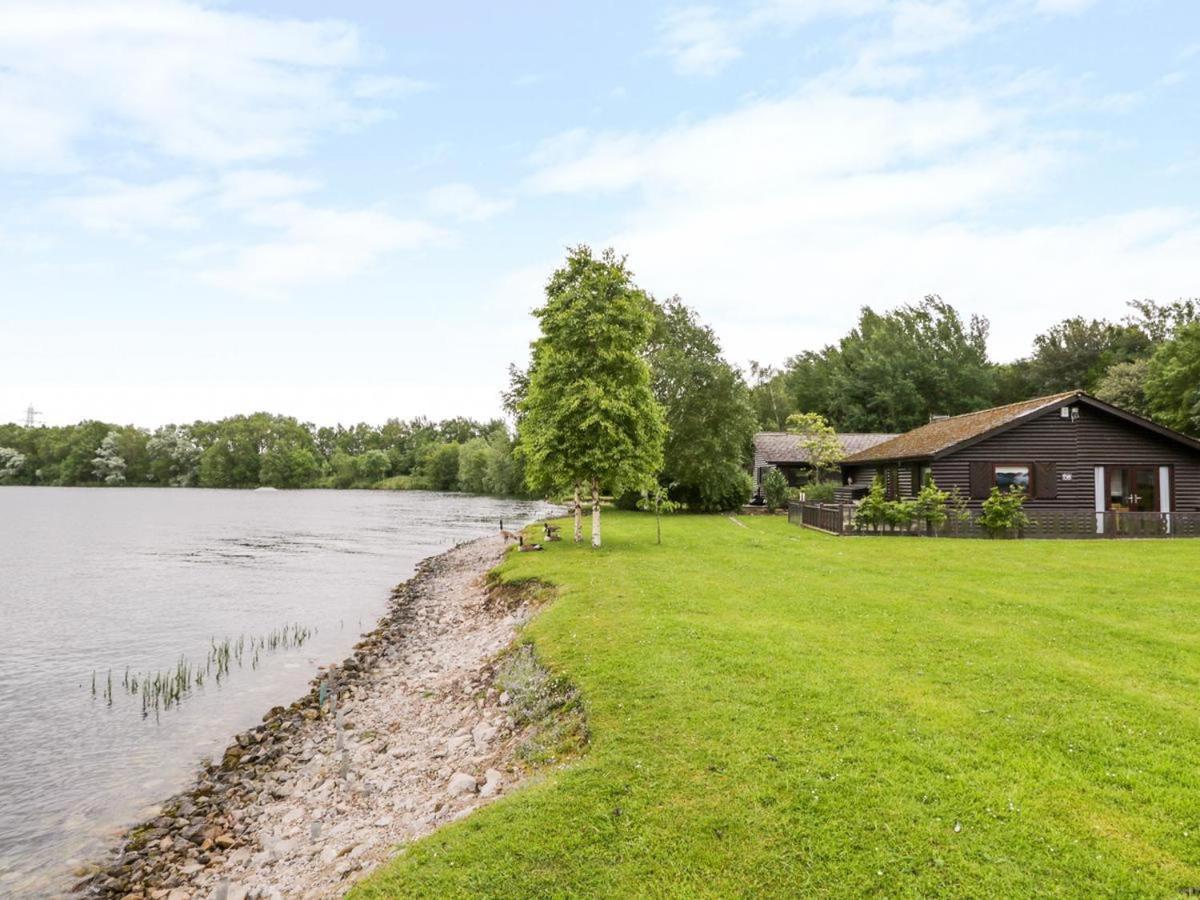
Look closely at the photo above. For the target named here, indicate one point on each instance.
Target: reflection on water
(93, 580)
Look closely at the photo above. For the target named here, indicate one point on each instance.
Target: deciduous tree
(710, 422)
(1173, 381)
(589, 416)
(818, 440)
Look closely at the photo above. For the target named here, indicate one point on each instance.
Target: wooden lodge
(1087, 468)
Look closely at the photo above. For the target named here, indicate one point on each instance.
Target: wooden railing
(839, 518)
(834, 518)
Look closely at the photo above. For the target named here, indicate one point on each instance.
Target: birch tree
(108, 465)
(588, 419)
(818, 439)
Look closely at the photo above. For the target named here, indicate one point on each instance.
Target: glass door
(1133, 490)
(1145, 490)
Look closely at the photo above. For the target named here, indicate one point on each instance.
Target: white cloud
(699, 42)
(1062, 7)
(378, 86)
(182, 79)
(765, 147)
(122, 208)
(248, 188)
(315, 245)
(780, 219)
(463, 202)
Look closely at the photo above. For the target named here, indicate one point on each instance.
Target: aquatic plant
(163, 690)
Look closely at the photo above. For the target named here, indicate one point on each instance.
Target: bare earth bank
(426, 739)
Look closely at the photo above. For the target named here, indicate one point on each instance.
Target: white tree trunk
(595, 512)
(578, 516)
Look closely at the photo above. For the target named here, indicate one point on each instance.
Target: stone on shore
(292, 810)
(461, 783)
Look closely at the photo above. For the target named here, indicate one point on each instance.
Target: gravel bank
(295, 810)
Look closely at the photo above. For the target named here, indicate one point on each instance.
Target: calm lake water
(94, 579)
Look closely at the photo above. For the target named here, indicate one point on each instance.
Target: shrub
(1003, 513)
(628, 501)
(775, 489)
(548, 707)
(872, 510)
(930, 505)
(958, 507)
(899, 513)
(720, 491)
(821, 491)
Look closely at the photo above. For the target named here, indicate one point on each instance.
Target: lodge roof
(784, 447)
(941, 435)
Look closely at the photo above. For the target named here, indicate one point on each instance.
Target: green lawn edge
(775, 712)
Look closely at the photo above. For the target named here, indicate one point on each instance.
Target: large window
(1017, 475)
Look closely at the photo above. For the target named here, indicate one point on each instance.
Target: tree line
(894, 370)
(630, 396)
(627, 394)
(265, 450)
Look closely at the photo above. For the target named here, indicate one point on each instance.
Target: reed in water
(166, 689)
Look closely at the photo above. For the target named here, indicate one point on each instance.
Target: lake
(136, 580)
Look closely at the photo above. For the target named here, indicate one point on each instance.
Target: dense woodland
(670, 409)
(896, 369)
(267, 450)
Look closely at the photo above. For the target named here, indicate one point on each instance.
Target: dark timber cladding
(1058, 443)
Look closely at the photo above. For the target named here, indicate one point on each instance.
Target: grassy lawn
(774, 711)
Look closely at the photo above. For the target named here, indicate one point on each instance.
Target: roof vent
(934, 417)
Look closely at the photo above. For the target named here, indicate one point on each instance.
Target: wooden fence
(839, 518)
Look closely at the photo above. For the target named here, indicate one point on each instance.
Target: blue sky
(216, 208)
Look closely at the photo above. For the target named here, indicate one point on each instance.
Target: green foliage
(710, 422)
(1003, 514)
(1161, 321)
(288, 466)
(548, 707)
(656, 499)
(373, 466)
(589, 415)
(439, 466)
(108, 465)
(820, 491)
(173, 457)
(1173, 381)
(818, 439)
(895, 369)
(472, 466)
(12, 465)
(769, 396)
(1124, 385)
(958, 506)
(775, 489)
(872, 510)
(1076, 352)
(258, 449)
(505, 472)
(930, 505)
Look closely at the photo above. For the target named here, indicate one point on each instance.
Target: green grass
(777, 712)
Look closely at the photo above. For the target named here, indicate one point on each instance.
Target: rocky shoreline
(414, 733)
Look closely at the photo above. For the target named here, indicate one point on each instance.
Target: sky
(216, 208)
